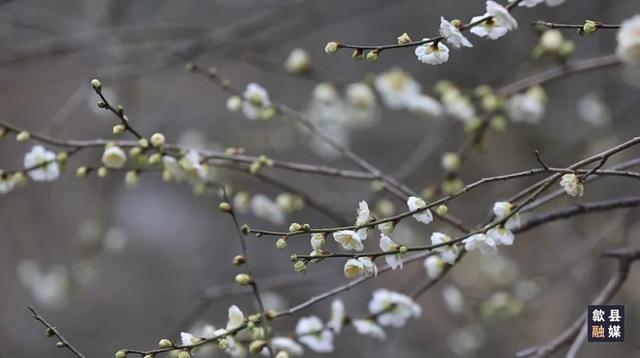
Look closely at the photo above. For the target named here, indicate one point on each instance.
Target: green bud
(442, 210)
(23, 136)
(281, 243)
(300, 266)
(590, 27)
(120, 354)
(96, 84)
(372, 56)
(243, 279)
(295, 227)
(165, 343)
(118, 129)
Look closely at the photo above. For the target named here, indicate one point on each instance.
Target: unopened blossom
(448, 253)
(360, 96)
(393, 308)
(414, 203)
(236, 318)
(396, 87)
(435, 53)
(628, 47)
(434, 266)
(482, 242)
(312, 333)
(369, 328)
(265, 208)
(193, 167)
(317, 241)
(386, 244)
(286, 344)
(349, 239)
(386, 228)
(452, 34)
(298, 61)
(501, 235)
(256, 102)
(424, 105)
(241, 202)
(337, 316)
(527, 107)
(42, 164)
(500, 23)
(325, 92)
(551, 40)
(572, 185)
(114, 157)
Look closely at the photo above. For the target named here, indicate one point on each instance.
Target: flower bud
(257, 346)
(403, 249)
(300, 266)
(102, 172)
(239, 260)
(282, 354)
(451, 161)
(114, 157)
(165, 343)
(118, 129)
(298, 61)
(82, 172)
(224, 207)
(23, 136)
(60, 345)
(295, 227)
(357, 54)
(96, 84)
(184, 354)
(132, 178)
(157, 140)
(243, 279)
(404, 39)
(281, 243)
(372, 56)
(590, 27)
(121, 354)
(442, 210)
(143, 142)
(331, 47)
(234, 103)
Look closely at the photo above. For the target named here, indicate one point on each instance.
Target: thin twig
(53, 331)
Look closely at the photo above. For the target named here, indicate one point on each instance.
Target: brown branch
(53, 331)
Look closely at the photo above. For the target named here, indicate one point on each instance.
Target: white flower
(591, 108)
(368, 266)
(236, 318)
(256, 101)
(500, 23)
(325, 92)
(386, 244)
(337, 316)
(285, 344)
(414, 203)
(448, 253)
(192, 167)
(453, 34)
(501, 236)
(551, 40)
(50, 288)
(572, 185)
(265, 208)
(484, 243)
(396, 88)
(44, 164)
(311, 332)
(360, 96)
(459, 106)
(298, 61)
(317, 241)
(434, 266)
(188, 339)
(363, 215)
(349, 239)
(527, 107)
(453, 298)
(393, 308)
(114, 157)
(368, 327)
(423, 104)
(628, 48)
(242, 202)
(502, 209)
(432, 53)
(386, 227)
(6, 183)
(353, 269)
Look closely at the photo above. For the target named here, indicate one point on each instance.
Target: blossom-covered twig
(53, 331)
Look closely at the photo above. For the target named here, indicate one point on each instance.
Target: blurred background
(117, 267)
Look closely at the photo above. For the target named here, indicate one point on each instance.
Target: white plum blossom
(298, 61)
(425, 105)
(393, 308)
(459, 106)
(286, 344)
(396, 88)
(369, 267)
(50, 288)
(501, 236)
(434, 266)
(192, 166)
(311, 332)
(500, 23)
(236, 318)
(453, 34)
(256, 102)
(414, 203)
(453, 298)
(591, 108)
(350, 240)
(42, 164)
(528, 107)
(386, 227)
(114, 157)
(572, 185)
(362, 217)
(6, 183)
(360, 96)
(353, 269)
(448, 253)
(337, 316)
(317, 241)
(532, 3)
(482, 242)
(188, 339)
(628, 47)
(325, 92)
(503, 209)
(435, 53)
(263, 207)
(386, 244)
(369, 328)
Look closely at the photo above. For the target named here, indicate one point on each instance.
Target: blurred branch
(625, 258)
(52, 331)
(551, 25)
